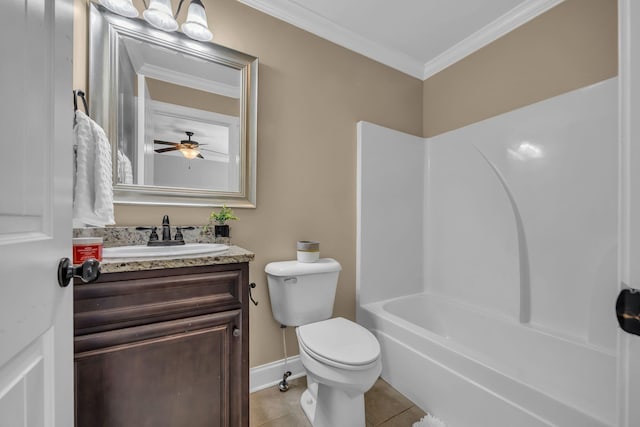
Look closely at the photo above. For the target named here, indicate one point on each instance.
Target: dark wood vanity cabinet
(163, 347)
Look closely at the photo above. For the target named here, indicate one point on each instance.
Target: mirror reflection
(183, 114)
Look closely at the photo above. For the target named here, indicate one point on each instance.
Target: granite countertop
(232, 255)
(128, 236)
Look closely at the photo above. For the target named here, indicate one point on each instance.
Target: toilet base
(308, 403)
(327, 406)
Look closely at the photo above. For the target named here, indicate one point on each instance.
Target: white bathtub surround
(500, 311)
(390, 212)
(529, 198)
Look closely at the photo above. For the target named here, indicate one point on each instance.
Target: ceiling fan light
(121, 7)
(196, 24)
(189, 153)
(160, 15)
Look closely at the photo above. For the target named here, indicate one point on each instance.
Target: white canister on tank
(308, 251)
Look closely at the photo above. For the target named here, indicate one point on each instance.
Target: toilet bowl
(341, 358)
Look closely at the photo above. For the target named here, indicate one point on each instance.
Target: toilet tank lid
(295, 268)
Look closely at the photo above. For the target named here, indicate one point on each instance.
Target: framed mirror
(181, 115)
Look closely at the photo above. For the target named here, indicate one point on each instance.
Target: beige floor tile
(384, 406)
(270, 404)
(293, 419)
(406, 418)
(383, 402)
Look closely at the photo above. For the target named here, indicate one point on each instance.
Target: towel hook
(81, 94)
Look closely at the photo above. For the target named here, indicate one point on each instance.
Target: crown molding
(307, 20)
(506, 23)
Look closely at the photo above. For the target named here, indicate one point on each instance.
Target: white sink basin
(162, 251)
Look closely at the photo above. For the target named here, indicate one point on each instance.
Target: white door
(629, 345)
(36, 353)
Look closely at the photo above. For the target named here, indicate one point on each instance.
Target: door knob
(88, 272)
(628, 310)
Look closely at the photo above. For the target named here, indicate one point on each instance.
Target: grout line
(290, 413)
(397, 415)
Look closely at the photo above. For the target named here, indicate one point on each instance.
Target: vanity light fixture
(160, 15)
(196, 24)
(121, 7)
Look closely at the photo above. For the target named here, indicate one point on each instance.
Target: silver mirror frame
(104, 29)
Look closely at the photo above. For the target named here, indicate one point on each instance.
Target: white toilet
(342, 359)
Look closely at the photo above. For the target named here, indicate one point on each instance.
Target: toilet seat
(340, 343)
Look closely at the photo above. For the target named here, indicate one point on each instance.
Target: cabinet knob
(236, 332)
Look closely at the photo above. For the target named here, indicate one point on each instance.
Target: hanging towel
(93, 189)
(125, 171)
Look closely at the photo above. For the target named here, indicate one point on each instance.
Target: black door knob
(88, 272)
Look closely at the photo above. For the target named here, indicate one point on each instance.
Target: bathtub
(475, 368)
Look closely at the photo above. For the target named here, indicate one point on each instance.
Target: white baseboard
(270, 374)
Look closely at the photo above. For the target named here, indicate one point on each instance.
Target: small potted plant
(221, 228)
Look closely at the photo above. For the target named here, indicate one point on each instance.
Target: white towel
(429, 421)
(125, 171)
(93, 189)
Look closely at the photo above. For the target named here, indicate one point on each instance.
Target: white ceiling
(417, 37)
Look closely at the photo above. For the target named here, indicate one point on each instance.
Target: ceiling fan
(188, 147)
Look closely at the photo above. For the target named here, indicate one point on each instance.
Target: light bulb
(160, 15)
(189, 153)
(196, 24)
(121, 7)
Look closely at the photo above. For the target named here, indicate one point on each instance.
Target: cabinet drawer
(120, 300)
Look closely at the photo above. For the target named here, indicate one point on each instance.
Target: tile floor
(384, 407)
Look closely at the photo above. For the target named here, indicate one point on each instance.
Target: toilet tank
(302, 292)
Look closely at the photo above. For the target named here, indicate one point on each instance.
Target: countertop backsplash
(128, 236)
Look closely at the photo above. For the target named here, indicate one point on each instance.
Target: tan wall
(311, 94)
(192, 98)
(570, 46)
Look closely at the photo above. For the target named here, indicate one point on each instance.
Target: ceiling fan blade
(164, 150)
(157, 141)
(214, 151)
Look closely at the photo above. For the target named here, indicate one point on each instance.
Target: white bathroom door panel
(629, 80)
(36, 331)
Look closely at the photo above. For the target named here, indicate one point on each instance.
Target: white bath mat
(429, 421)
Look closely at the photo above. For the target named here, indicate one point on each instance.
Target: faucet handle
(178, 235)
(154, 232)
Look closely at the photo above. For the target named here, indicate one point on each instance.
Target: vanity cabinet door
(176, 373)
(166, 347)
